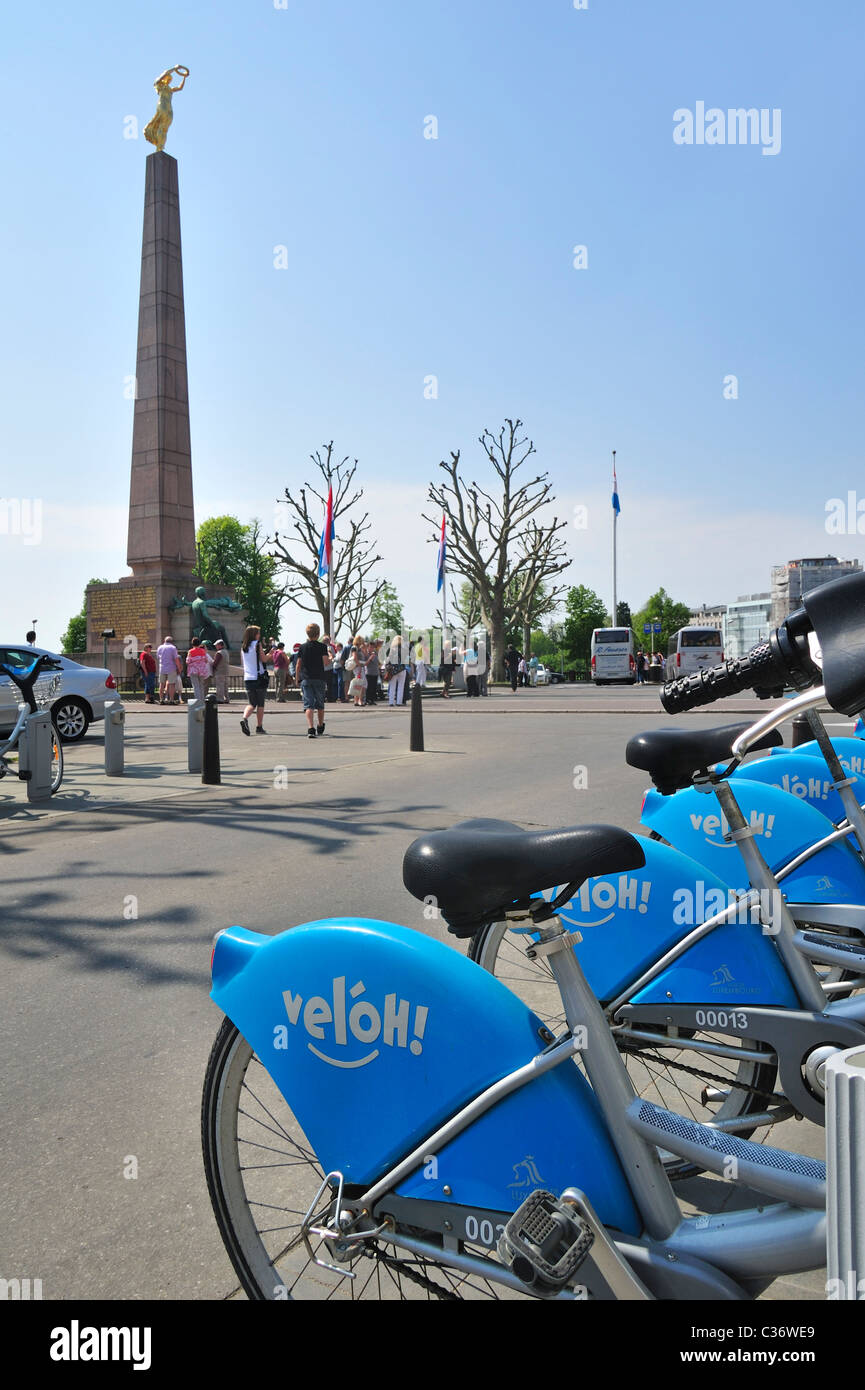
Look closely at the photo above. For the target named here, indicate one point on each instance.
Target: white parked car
(80, 699)
(542, 676)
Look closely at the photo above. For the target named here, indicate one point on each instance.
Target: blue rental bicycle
(37, 692)
(383, 1119)
(723, 927)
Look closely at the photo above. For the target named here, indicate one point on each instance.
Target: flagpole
(615, 519)
(332, 634)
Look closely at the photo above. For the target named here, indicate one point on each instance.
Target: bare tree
(353, 553)
(498, 544)
(532, 596)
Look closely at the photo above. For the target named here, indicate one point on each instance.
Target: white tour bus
(613, 655)
(692, 648)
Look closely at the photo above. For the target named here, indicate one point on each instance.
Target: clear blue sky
(303, 127)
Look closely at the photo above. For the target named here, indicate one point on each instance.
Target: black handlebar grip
(759, 668)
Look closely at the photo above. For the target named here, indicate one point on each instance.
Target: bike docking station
(194, 735)
(35, 755)
(202, 730)
(844, 1075)
(115, 721)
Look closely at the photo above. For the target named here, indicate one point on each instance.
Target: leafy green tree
(623, 614)
(386, 615)
(258, 590)
(74, 638)
(223, 551)
(662, 609)
(233, 555)
(584, 611)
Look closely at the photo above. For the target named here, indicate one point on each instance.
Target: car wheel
(71, 719)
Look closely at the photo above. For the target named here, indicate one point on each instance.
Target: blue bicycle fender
(628, 921)
(375, 1035)
(783, 826)
(799, 775)
(851, 754)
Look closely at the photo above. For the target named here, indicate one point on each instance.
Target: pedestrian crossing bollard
(115, 720)
(845, 1175)
(35, 755)
(416, 731)
(194, 735)
(211, 773)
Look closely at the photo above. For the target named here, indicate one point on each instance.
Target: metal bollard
(416, 731)
(115, 720)
(845, 1175)
(194, 735)
(211, 772)
(35, 755)
(800, 730)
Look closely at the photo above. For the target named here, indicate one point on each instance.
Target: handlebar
(770, 666)
(26, 678)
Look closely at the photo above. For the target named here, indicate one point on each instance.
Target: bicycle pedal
(545, 1242)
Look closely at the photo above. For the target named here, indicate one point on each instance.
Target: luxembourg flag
(616, 507)
(441, 558)
(325, 550)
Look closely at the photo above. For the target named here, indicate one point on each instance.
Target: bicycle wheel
(56, 760)
(702, 1086)
(263, 1176)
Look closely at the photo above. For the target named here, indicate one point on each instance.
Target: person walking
(448, 663)
(534, 663)
(169, 671)
(313, 663)
(220, 671)
(512, 665)
(339, 672)
(638, 663)
(420, 665)
(255, 678)
(470, 667)
(355, 666)
(280, 672)
(373, 675)
(198, 668)
(396, 674)
(147, 662)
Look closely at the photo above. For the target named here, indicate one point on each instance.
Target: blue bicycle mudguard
(628, 921)
(376, 1035)
(859, 728)
(851, 754)
(783, 827)
(799, 775)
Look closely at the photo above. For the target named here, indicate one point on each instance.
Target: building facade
(708, 615)
(798, 577)
(746, 622)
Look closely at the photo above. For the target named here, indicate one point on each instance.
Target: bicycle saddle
(672, 756)
(481, 867)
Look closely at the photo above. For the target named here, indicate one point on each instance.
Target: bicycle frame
(588, 1138)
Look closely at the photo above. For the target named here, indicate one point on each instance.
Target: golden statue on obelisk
(156, 130)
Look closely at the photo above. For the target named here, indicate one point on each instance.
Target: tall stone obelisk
(161, 550)
(161, 542)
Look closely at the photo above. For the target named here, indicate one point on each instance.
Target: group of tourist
(643, 661)
(206, 665)
(363, 672)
